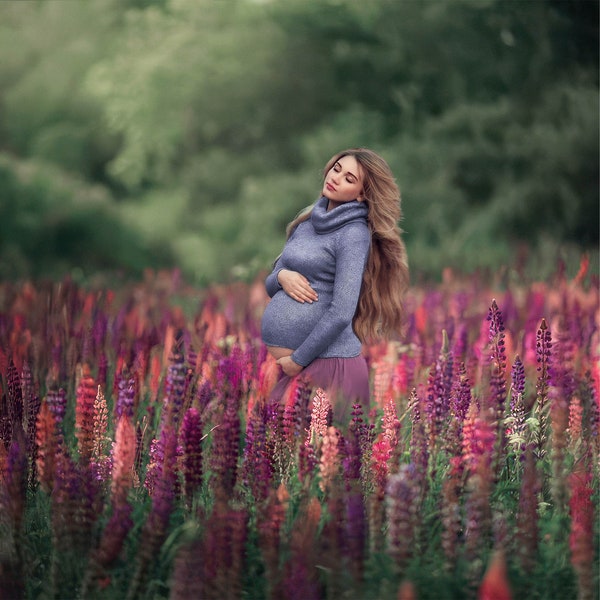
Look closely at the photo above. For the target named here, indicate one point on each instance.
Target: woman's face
(343, 182)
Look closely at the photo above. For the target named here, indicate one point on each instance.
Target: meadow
(140, 457)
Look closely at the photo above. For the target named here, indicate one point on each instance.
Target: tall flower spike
(100, 459)
(191, 441)
(543, 350)
(581, 538)
(498, 362)
(84, 415)
(439, 385)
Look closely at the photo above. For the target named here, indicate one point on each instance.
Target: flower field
(141, 459)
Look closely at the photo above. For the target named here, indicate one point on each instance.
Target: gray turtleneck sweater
(330, 249)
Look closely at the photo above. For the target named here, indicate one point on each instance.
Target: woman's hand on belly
(296, 286)
(288, 366)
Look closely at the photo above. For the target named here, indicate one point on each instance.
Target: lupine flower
(515, 421)
(125, 396)
(527, 530)
(224, 550)
(543, 358)
(225, 451)
(498, 361)
(48, 442)
(123, 459)
(439, 385)
(155, 526)
(495, 585)
(581, 537)
(191, 442)
(100, 461)
(269, 532)
(330, 460)
(419, 453)
(575, 428)
(452, 491)
(84, 415)
(320, 415)
(301, 582)
(402, 508)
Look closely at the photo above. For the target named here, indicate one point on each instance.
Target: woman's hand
(296, 286)
(288, 366)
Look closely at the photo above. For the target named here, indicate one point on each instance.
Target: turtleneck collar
(325, 222)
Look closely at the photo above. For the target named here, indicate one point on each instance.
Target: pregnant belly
(287, 323)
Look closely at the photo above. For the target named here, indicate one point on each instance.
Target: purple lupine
(176, 387)
(516, 421)
(498, 362)
(402, 507)
(125, 396)
(191, 442)
(439, 385)
(257, 470)
(57, 403)
(14, 395)
(543, 351)
(419, 452)
(225, 451)
(155, 527)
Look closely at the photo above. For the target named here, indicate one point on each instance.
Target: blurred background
(156, 134)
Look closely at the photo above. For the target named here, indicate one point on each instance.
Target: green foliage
(207, 123)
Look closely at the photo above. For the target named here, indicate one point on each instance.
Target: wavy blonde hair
(380, 311)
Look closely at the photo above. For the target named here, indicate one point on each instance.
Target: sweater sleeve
(352, 250)
(272, 284)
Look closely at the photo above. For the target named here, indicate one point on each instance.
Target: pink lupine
(320, 415)
(330, 459)
(581, 537)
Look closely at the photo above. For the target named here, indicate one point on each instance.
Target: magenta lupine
(191, 459)
(451, 512)
(581, 536)
(479, 439)
(379, 469)
(31, 408)
(402, 507)
(543, 350)
(330, 459)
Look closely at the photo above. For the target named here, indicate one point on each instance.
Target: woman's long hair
(380, 311)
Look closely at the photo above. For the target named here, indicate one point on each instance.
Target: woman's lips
(330, 187)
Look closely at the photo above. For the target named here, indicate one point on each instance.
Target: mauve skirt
(346, 381)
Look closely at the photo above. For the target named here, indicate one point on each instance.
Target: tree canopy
(187, 133)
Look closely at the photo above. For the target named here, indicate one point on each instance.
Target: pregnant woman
(339, 281)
